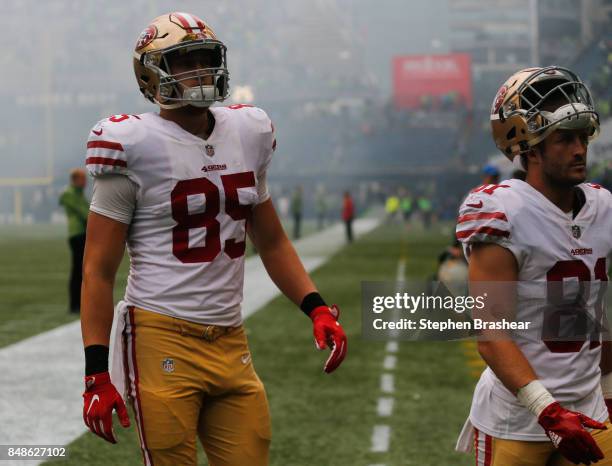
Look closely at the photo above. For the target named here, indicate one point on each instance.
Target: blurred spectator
(491, 174)
(76, 206)
(391, 207)
(425, 206)
(321, 207)
(406, 205)
(348, 213)
(296, 212)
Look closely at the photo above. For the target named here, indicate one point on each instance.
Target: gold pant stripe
(132, 377)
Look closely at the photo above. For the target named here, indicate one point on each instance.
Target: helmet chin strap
(517, 162)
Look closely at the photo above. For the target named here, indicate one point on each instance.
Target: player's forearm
(103, 253)
(287, 271)
(508, 363)
(96, 309)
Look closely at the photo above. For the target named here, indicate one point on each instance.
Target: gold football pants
(493, 451)
(187, 380)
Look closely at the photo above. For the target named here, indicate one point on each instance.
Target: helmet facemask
(212, 81)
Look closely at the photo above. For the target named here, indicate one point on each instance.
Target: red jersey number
(186, 221)
(572, 309)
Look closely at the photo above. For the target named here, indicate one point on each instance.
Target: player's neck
(197, 121)
(561, 196)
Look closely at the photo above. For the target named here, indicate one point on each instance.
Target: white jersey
(549, 245)
(186, 241)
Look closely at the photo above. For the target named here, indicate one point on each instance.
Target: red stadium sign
(432, 81)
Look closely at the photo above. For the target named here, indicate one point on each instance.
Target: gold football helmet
(534, 102)
(180, 33)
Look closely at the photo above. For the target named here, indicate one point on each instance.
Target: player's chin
(577, 174)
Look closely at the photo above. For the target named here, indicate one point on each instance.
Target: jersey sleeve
(598, 194)
(269, 144)
(483, 218)
(262, 126)
(114, 196)
(268, 150)
(106, 150)
(602, 196)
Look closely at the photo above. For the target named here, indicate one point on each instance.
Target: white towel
(465, 441)
(116, 354)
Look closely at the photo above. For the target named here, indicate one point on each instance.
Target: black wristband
(96, 359)
(310, 302)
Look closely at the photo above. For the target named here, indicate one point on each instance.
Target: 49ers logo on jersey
(146, 37)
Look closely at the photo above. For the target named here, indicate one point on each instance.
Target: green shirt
(424, 204)
(77, 207)
(406, 204)
(296, 203)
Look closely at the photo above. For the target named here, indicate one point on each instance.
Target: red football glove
(328, 333)
(100, 398)
(566, 430)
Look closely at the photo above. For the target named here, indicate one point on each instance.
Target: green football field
(318, 419)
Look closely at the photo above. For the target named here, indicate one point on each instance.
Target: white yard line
(381, 433)
(395, 313)
(392, 347)
(387, 383)
(42, 376)
(381, 436)
(385, 406)
(390, 362)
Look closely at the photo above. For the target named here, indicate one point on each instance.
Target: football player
(541, 401)
(182, 187)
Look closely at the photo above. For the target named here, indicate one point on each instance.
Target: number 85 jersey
(186, 239)
(555, 252)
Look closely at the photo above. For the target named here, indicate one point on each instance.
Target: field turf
(318, 419)
(34, 270)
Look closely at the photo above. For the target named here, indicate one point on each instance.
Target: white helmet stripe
(183, 21)
(193, 24)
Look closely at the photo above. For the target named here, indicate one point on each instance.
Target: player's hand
(100, 398)
(566, 430)
(328, 333)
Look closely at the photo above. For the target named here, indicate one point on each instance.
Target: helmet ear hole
(217, 58)
(511, 134)
(222, 85)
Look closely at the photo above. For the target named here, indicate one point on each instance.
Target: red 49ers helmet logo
(499, 98)
(146, 37)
